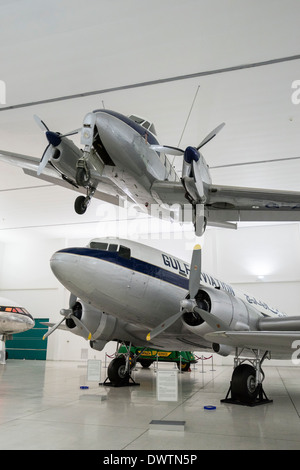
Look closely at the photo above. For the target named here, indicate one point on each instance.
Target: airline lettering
(259, 303)
(184, 269)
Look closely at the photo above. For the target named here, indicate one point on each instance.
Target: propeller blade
(167, 149)
(44, 160)
(75, 131)
(198, 179)
(86, 333)
(195, 272)
(214, 322)
(211, 135)
(52, 329)
(72, 300)
(163, 326)
(40, 123)
(69, 313)
(187, 304)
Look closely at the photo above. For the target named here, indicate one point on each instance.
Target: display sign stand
(167, 390)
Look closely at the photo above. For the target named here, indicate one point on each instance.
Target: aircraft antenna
(187, 119)
(186, 122)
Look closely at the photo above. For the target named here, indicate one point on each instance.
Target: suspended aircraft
(122, 160)
(127, 292)
(13, 319)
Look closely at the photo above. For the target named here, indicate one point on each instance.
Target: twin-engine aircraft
(13, 319)
(122, 160)
(128, 292)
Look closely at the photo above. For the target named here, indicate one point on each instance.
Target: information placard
(167, 385)
(93, 370)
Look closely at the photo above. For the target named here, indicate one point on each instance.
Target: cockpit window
(99, 246)
(142, 122)
(124, 252)
(112, 247)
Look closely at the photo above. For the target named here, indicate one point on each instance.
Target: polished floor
(42, 406)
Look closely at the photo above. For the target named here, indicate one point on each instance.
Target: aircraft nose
(65, 267)
(62, 263)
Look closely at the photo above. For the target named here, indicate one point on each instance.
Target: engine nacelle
(64, 158)
(99, 324)
(222, 349)
(228, 312)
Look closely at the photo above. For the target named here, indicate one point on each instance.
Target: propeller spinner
(191, 159)
(69, 314)
(54, 139)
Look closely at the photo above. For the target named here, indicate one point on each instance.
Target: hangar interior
(209, 62)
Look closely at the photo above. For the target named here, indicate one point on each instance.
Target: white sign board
(167, 385)
(93, 370)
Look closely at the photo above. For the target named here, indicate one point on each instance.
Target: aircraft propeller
(54, 139)
(191, 157)
(188, 304)
(69, 314)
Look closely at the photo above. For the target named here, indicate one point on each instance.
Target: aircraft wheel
(82, 177)
(145, 363)
(80, 205)
(116, 371)
(243, 386)
(184, 366)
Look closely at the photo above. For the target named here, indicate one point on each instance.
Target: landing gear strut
(119, 370)
(83, 179)
(246, 382)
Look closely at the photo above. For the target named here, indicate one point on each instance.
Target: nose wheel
(119, 370)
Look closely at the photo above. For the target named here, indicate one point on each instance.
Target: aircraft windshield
(142, 122)
(112, 247)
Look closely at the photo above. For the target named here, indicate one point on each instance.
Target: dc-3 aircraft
(13, 319)
(122, 160)
(128, 292)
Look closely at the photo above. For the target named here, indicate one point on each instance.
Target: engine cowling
(64, 158)
(222, 349)
(99, 324)
(227, 312)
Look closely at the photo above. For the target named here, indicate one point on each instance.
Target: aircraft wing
(169, 192)
(266, 340)
(236, 204)
(30, 165)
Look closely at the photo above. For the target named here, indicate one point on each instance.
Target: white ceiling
(58, 48)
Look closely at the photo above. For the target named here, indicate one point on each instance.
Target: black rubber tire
(184, 366)
(116, 371)
(243, 386)
(145, 363)
(80, 205)
(82, 178)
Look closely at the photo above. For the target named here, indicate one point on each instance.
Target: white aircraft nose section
(63, 263)
(65, 266)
